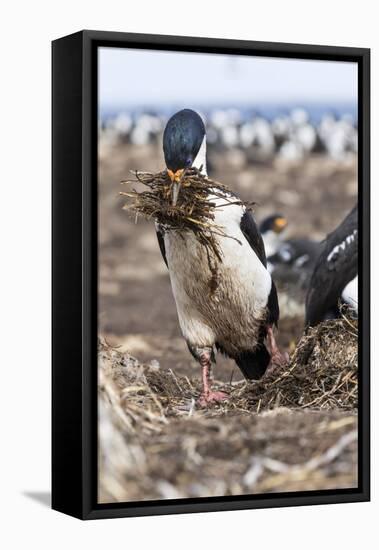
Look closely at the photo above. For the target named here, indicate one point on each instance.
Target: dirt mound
(296, 429)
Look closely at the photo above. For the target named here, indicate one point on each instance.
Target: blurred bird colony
(264, 107)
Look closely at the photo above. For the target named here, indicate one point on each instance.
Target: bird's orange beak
(280, 224)
(175, 176)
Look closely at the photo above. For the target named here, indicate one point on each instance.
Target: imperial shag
(238, 318)
(335, 276)
(272, 229)
(283, 255)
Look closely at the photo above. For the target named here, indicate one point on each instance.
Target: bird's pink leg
(277, 357)
(207, 395)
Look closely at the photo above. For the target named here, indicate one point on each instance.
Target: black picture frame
(74, 332)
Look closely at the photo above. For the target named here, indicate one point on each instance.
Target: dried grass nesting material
(322, 374)
(192, 211)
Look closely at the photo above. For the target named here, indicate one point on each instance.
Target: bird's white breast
(350, 293)
(272, 242)
(233, 311)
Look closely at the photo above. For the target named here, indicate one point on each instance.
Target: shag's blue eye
(188, 162)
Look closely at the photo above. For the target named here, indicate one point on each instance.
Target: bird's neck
(201, 158)
(271, 241)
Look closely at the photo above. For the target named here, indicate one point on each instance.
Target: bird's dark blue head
(182, 139)
(276, 223)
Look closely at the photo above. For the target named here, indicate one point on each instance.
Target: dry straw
(194, 210)
(322, 375)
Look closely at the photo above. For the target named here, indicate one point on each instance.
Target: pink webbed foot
(278, 359)
(211, 397)
(208, 396)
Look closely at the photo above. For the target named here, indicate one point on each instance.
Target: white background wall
(26, 31)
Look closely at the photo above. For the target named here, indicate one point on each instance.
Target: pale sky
(129, 77)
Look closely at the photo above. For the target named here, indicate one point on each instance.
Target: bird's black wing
(336, 266)
(253, 236)
(294, 260)
(294, 250)
(273, 306)
(160, 237)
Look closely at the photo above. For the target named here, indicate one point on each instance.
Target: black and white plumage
(335, 276)
(272, 229)
(294, 261)
(238, 317)
(299, 254)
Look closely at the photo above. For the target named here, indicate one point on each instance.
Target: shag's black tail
(253, 364)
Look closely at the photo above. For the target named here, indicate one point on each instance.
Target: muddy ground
(283, 446)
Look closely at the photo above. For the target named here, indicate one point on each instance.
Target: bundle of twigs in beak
(188, 206)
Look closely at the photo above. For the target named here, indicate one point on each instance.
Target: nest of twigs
(296, 429)
(191, 210)
(322, 375)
